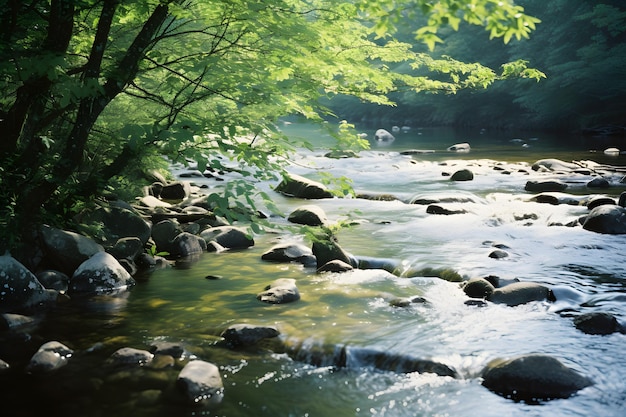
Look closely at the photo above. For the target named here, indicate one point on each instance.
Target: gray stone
(335, 266)
(67, 250)
(545, 186)
(606, 219)
(54, 280)
(100, 274)
(498, 254)
(201, 384)
(50, 357)
(532, 378)
(437, 209)
(290, 252)
(326, 250)
(300, 187)
(229, 237)
(554, 165)
(459, 147)
(238, 335)
(164, 232)
(521, 293)
(178, 190)
(600, 201)
(19, 288)
(281, 291)
(4, 366)
(185, 244)
(9, 321)
(598, 323)
(383, 135)
(308, 215)
(598, 182)
(127, 248)
(462, 175)
(478, 288)
(129, 357)
(119, 222)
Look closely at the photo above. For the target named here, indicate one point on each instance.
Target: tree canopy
(97, 89)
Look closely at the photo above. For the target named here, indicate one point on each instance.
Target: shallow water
(351, 311)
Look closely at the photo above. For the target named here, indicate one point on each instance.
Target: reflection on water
(310, 370)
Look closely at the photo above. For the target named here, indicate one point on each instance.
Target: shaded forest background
(580, 45)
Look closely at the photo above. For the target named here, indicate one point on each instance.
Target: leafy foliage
(97, 90)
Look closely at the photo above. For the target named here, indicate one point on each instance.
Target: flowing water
(351, 311)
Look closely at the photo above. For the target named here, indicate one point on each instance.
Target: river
(585, 270)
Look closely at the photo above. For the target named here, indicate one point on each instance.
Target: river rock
(335, 266)
(19, 288)
(498, 254)
(383, 135)
(309, 215)
(238, 335)
(545, 186)
(173, 349)
(462, 175)
(54, 280)
(118, 222)
(129, 357)
(290, 252)
(554, 165)
(300, 187)
(201, 384)
(164, 232)
(229, 237)
(281, 291)
(606, 219)
(459, 147)
(532, 378)
(186, 244)
(177, 190)
(598, 323)
(440, 210)
(622, 199)
(521, 293)
(600, 201)
(67, 250)
(4, 366)
(387, 361)
(478, 288)
(100, 274)
(326, 250)
(127, 248)
(50, 357)
(598, 182)
(442, 198)
(9, 321)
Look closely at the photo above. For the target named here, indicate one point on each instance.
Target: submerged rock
(201, 384)
(281, 291)
(130, 357)
(532, 378)
(387, 361)
(238, 335)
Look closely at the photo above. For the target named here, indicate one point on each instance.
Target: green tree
(96, 88)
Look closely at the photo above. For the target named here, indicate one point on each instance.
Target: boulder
(100, 274)
(238, 335)
(478, 288)
(127, 248)
(326, 250)
(388, 361)
(130, 357)
(178, 190)
(175, 350)
(606, 219)
(309, 215)
(118, 222)
(164, 232)
(54, 280)
(300, 187)
(201, 384)
(622, 199)
(67, 250)
(281, 291)
(598, 323)
(521, 293)
(10, 321)
(229, 237)
(19, 288)
(532, 378)
(290, 252)
(459, 147)
(50, 357)
(498, 254)
(383, 135)
(462, 175)
(186, 244)
(545, 186)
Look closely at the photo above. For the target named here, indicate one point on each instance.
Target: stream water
(585, 270)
